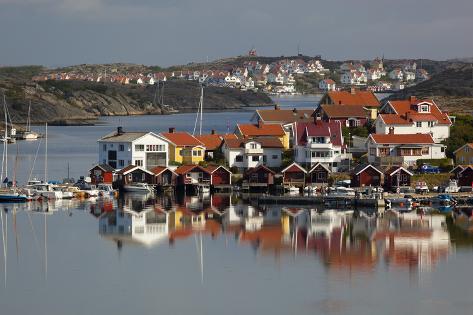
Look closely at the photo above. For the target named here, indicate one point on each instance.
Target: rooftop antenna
(298, 49)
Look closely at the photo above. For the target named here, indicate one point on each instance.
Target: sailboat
(28, 134)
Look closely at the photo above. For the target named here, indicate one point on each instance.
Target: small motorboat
(310, 189)
(293, 190)
(12, 196)
(137, 187)
(106, 190)
(342, 192)
(452, 187)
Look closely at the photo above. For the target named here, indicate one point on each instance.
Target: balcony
(254, 151)
(315, 145)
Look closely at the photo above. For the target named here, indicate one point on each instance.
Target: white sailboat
(28, 134)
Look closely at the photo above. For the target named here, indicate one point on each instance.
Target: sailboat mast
(201, 108)
(46, 155)
(28, 121)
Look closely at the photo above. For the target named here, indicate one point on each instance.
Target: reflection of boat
(399, 204)
(443, 199)
(293, 190)
(137, 187)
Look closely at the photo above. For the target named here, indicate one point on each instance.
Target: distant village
(294, 148)
(279, 77)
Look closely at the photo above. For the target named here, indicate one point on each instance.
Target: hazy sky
(165, 32)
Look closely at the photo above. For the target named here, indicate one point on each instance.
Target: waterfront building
(402, 149)
(245, 153)
(259, 177)
(144, 149)
(414, 116)
(164, 176)
(464, 154)
(465, 177)
(396, 176)
(318, 174)
(294, 175)
(102, 174)
(134, 174)
(319, 142)
(366, 175)
(183, 147)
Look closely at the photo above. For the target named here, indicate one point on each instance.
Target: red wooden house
(219, 176)
(294, 175)
(366, 175)
(395, 177)
(193, 175)
(134, 174)
(102, 173)
(465, 178)
(318, 174)
(259, 176)
(164, 176)
(455, 172)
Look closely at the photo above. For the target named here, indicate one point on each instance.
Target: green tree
(460, 133)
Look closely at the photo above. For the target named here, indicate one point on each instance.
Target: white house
(248, 153)
(353, 78)
(396, 74)
(413, 116)
(409, 76)
(145, 149)
(407, 148)
(327, 85)
(319, 142)
(275, 77)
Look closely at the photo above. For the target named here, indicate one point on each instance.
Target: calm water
(80, 257)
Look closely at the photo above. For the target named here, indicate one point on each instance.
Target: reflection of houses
(144, 228)
(102, 173)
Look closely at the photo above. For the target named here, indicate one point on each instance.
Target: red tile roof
(159, 169)
(183, 169)
(341, 111)
(407, 109)
(266, 142)
(284, 116)
(321, 128)
(365, 98)
(393, 119)
(250, 130)
(211, 141)
(182, 138)
(418, 138)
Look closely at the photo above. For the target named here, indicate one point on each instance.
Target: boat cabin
(318, 174)
(294, 175)
(396, 177)
(366, 175)
(102, 174)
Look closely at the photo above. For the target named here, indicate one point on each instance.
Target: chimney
(391, 130)
(172, 129)
(213, 131)
(119, 130)
(352, 91)
(260, 123)
(276, 106)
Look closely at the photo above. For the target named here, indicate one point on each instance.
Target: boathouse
(134, 174)
(258, 177)
(294, 175)
(101, 174)
(465, 178)
(220, 177)
(318, 174)
(193, 175)
(455, 172)
(366, 175)
(395, 177)
(164, 177)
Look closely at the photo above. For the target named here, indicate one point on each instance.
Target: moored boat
(137, 187)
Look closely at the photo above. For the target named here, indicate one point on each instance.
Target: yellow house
(263, 130)
(184, 148)
(464, 154)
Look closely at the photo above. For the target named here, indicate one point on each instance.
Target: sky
(168, 32)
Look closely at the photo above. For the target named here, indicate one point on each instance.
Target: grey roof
(105, 167)
(361, 167)
(126, 136)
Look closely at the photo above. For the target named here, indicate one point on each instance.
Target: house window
(431, 123)
(139, 162)
(121, 147)
(275, 156)
(121, 163)
(467, 149)
(104, 161)
(419, 124)
(264, 158)
(253, 145)
(104, 147)
(321, 176)
(372, 151)
(255, 158)
(425, 150)
(139, 147)
(384, 151)
(442, 149)
(239, 158)
(196, 153)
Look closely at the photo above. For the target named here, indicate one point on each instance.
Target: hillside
(79, 100)
(453, 88)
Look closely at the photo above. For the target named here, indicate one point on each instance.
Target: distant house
(327, 85)
(464, 154)
(245, 153)
(396, 176)
(263, 130)
(354, 97)
(366, 175)
(413, 116)
(102, 173)
(144, 149)
(349, 116)
(318, 174)
(184, 147)
(403, 149)
(396, 74)
(294, 175)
